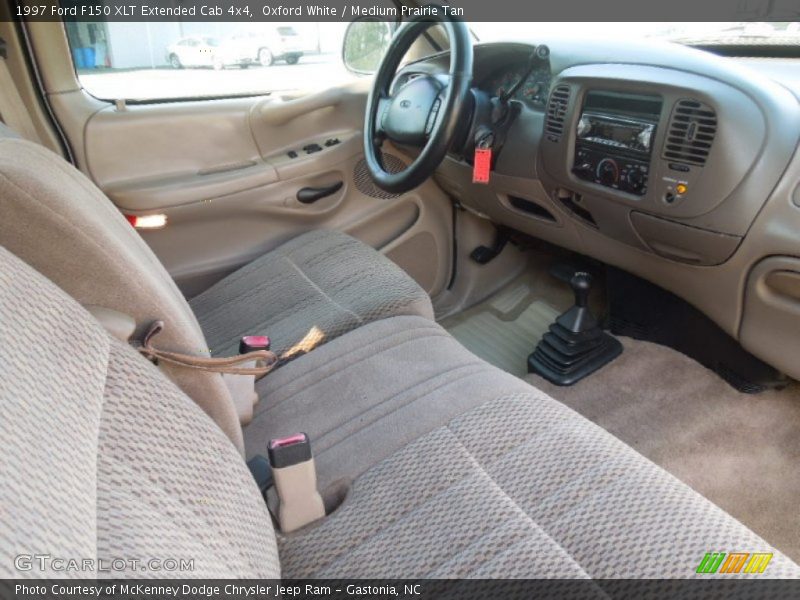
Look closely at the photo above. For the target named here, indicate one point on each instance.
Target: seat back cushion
(60, 223)
(104, 458)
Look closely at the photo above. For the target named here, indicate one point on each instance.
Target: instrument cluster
(533, 91)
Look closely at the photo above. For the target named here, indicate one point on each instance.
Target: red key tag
(482, 165)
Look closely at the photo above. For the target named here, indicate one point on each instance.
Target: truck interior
(533, 305)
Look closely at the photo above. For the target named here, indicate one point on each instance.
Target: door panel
(160, 141)
(222, 173)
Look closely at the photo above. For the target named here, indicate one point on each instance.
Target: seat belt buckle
(295, 477)
(250, 343)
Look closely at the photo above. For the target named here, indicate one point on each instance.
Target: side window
(182, 60)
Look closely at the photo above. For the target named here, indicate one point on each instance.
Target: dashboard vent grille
(691, 132)
(556, 111)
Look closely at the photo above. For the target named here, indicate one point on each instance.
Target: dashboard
(672, 163)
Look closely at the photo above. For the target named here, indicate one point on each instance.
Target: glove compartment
(770, 325)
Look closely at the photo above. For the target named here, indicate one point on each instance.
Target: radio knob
(635, 179)
(608, 172)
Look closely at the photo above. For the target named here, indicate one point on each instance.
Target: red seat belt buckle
(250, 343)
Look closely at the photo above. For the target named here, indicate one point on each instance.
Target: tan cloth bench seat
(102, 456)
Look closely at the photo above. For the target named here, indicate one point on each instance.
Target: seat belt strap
(243, 387)
(264, 360)
(12, 110)
(262, 472)
(295, 477)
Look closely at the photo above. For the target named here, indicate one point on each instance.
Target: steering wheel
(425, 112)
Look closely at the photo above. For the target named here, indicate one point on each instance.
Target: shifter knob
(581, 284)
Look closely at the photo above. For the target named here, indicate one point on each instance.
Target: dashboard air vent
(692, 128)
(556, 112)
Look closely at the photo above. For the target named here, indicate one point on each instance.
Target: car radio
(614, 139)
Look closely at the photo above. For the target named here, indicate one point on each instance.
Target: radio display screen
(620, 121)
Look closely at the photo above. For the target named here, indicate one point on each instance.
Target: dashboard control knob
(586, 169)
(635, 179)
(608, 172)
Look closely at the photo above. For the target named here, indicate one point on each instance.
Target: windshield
(753, 33)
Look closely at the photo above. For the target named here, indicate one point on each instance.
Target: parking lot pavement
(312, 72)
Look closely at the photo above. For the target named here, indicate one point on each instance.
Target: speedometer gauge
(536, 87)
(533, 91)
(503, 84)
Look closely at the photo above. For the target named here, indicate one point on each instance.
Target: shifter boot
(575, 346)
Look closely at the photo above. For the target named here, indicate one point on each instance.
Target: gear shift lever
(575, 345)
(579, 318)
(581, 284)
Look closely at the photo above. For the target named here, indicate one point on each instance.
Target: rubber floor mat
(504, 329)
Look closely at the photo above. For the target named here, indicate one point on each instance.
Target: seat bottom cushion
(306, 292)
(367, 394)
(450, 467)
(520, 487)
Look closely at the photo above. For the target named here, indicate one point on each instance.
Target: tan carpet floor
(740, 451)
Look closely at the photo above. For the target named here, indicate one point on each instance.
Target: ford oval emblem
(405, 103)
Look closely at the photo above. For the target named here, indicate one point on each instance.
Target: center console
(651, 157)
(614, 139)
